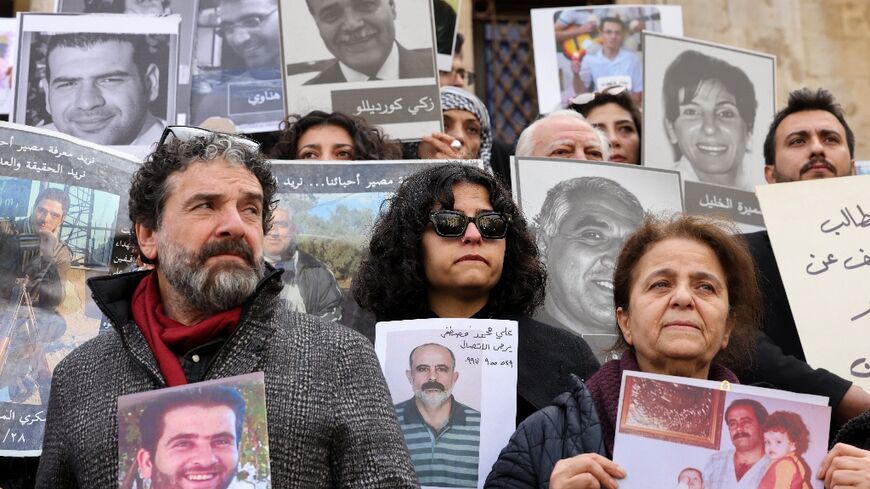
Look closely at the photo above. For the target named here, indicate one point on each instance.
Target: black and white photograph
(98, 76)
(583, 50)
(237, 64)
(187, 9)
(711, 111)
(211, 434)
(446, 14)
(63, 220)
(689, 433)
(8, 46)
(453, 383)
(581, 213)
(371, 59)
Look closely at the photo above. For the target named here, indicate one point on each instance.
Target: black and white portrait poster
(819, 232)
(710, 111)
(581, 213)
(63, 219)
(690, 434)
(455, 378)
(109, 79)
(322, 224)
(237, 67)
(165, 434)
(187, 9)
(446, 13)
(583, 49)
(8, 46)
(373, 59)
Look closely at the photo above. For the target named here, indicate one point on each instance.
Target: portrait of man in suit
(362, 37)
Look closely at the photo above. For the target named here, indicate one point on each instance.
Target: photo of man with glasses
(249, 28)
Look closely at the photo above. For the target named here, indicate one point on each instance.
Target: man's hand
(586, 471)
(845, 466)
(47, 244)
(438, 147)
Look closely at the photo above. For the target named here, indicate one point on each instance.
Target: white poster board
(819, 233)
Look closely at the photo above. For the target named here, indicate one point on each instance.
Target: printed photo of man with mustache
(745, 465)
(362, 37)
(443, 435)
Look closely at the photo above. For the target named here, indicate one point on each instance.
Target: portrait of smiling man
(98, 87)
(361, 34)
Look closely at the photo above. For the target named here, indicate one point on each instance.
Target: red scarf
(170, 339)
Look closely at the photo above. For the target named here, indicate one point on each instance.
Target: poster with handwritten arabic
(823, 255)
(671, 431)
(741, 206)
(466, 365)
(581, 212)
(63, 219)
(385, 74)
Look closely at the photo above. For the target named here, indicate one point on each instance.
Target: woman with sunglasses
(614, 113)
(321, 135)
(452, 243)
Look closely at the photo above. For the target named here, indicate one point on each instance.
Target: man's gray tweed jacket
(331, 420)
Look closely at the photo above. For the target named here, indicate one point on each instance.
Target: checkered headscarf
(457, 98)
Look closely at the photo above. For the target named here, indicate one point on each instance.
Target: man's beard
(433, 400)
(209, 290)
(222, 480)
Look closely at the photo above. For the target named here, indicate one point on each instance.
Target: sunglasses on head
(452, 224)
(185, 133)
(585, 98)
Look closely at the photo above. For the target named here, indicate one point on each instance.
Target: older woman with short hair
(687, 303)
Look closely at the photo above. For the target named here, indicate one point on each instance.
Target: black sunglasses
(452, 224)
(184, 133)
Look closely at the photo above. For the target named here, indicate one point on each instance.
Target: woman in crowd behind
(452, 243)
(320, 135)
(687, 302)
(613, 112)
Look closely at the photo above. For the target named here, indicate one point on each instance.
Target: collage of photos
(697, 434)
(453, 383)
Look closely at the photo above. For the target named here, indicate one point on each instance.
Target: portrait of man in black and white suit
(362, 37)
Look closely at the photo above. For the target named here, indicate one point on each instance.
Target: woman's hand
(845, 466)
(439, 146)
(586, 471)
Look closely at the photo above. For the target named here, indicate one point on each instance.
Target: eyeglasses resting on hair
(585, 98)
(184, 133)
(452, 224)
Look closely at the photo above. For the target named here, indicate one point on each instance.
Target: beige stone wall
(817, 43)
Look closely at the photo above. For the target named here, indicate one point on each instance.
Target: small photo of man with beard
(442, 434)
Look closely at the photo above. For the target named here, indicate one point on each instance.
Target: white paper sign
(469, 368)
(819, 233)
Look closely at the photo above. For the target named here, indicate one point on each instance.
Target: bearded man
(200, 205)
(443, 434)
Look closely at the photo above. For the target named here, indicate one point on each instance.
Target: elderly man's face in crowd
(581, 258)
(250, 28)
(47, 215)
(97, 94)
(808, 145)
(432, 375)
(745, 430)
(360, 33)
(567, 137)
(281, 235)
(197, 449)
(709, 130)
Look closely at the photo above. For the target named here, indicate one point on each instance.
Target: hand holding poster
(822, 254)
(693, 434)
(453, 382)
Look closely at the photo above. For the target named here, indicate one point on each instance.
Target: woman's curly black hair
(369, 143)
(391, 282)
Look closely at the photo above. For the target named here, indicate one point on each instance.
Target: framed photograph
(467, 364)
(384, 73)
(682, 432)
(8, 48)
(63, 220)
(187, 9)
(108, 79)
(581, 213)
(710, 115)
(589, 48)
(224, 418)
